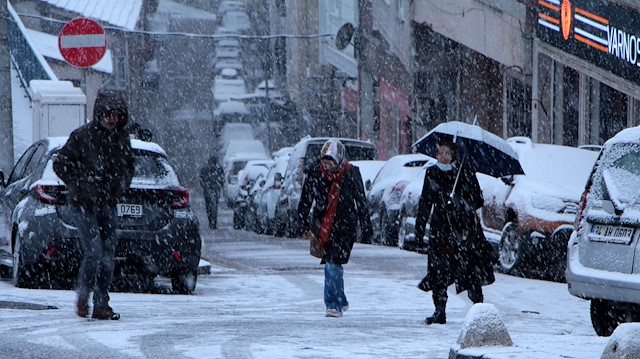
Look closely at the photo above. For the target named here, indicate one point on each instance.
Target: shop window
(518, 108)
(613, 112)
(570, 106)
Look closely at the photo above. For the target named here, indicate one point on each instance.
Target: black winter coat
(457, 250)
(96, 165)
(211, 179)
(351, 211)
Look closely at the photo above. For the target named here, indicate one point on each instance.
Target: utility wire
(187, 34)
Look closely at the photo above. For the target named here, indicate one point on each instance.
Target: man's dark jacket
(467, 260)
(211, 179)
(96, 165)
(352, 209)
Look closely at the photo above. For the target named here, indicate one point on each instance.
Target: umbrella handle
(455, 184)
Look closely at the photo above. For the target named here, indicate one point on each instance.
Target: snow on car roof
(562, 166)
(58, 142)
(625, 136)
(230, 106)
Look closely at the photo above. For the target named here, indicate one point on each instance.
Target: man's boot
(104, 311)
(82, 307)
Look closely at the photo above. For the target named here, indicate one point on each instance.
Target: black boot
(438, 317)
(440, 302)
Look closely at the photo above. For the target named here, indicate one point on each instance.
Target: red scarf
(332, 202)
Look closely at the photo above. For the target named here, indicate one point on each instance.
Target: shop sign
(602, 33)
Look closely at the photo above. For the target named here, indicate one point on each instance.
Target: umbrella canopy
(479, 149)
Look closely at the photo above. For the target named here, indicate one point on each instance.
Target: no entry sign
(82, 42)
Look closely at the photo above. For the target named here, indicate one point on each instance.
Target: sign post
(82, 42)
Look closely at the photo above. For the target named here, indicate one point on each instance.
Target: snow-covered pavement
(240, 313)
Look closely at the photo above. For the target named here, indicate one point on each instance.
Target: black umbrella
(481, 150)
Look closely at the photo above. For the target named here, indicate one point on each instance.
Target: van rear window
(617, 177)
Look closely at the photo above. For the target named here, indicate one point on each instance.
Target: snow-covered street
(263, 299)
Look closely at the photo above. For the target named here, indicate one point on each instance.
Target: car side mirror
(262, 183)
(277, 177)
(508, 180)
(367, 185)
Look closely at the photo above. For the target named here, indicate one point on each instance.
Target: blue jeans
(334, 287)
(98, 239)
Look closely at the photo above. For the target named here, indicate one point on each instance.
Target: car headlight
(547, 203)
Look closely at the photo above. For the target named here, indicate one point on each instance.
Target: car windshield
(352, 153)
(152, 168)
(618, 176)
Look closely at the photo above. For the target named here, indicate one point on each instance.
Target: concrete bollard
(483, 326)
(624, 343)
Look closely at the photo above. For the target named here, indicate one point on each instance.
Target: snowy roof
(47, 45)
(59, 141)
(121, 13)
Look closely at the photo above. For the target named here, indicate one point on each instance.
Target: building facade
(587, 70)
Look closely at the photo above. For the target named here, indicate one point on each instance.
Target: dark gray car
(158, 232)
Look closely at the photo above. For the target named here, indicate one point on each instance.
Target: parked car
(386, 191)
(307, 153)
(237, 153)
(226, 87)
(229, 5)
(369, 169)
(539, 211)
(267, 198)
(243, 209)
(157, 230)
(603, 261)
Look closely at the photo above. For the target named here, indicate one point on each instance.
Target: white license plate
(611, 234)
(129, 210)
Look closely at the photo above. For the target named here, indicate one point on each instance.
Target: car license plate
(129, 210)
(611, 234)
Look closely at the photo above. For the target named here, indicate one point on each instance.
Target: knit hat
(109, 101)
(333, 149)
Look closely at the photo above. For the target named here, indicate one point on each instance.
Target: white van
(601, 260)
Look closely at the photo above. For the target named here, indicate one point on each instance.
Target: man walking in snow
(96, 165)
(211, 180)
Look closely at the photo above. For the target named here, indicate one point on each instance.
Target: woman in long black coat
(339, 222)
(457, 250)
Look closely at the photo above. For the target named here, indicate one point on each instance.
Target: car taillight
(400, 186)
(47, 193)
(182, 198)
(582, 205)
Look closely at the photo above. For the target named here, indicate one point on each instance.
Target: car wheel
(388, 231)
(605, 317)
(238, 218)
(511, 255)
(403, 232)
(184, 282)
(378, 227)
(21, 276)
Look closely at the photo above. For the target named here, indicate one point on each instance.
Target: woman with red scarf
(334, 188)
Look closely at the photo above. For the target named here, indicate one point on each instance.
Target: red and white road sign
(82, 42)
